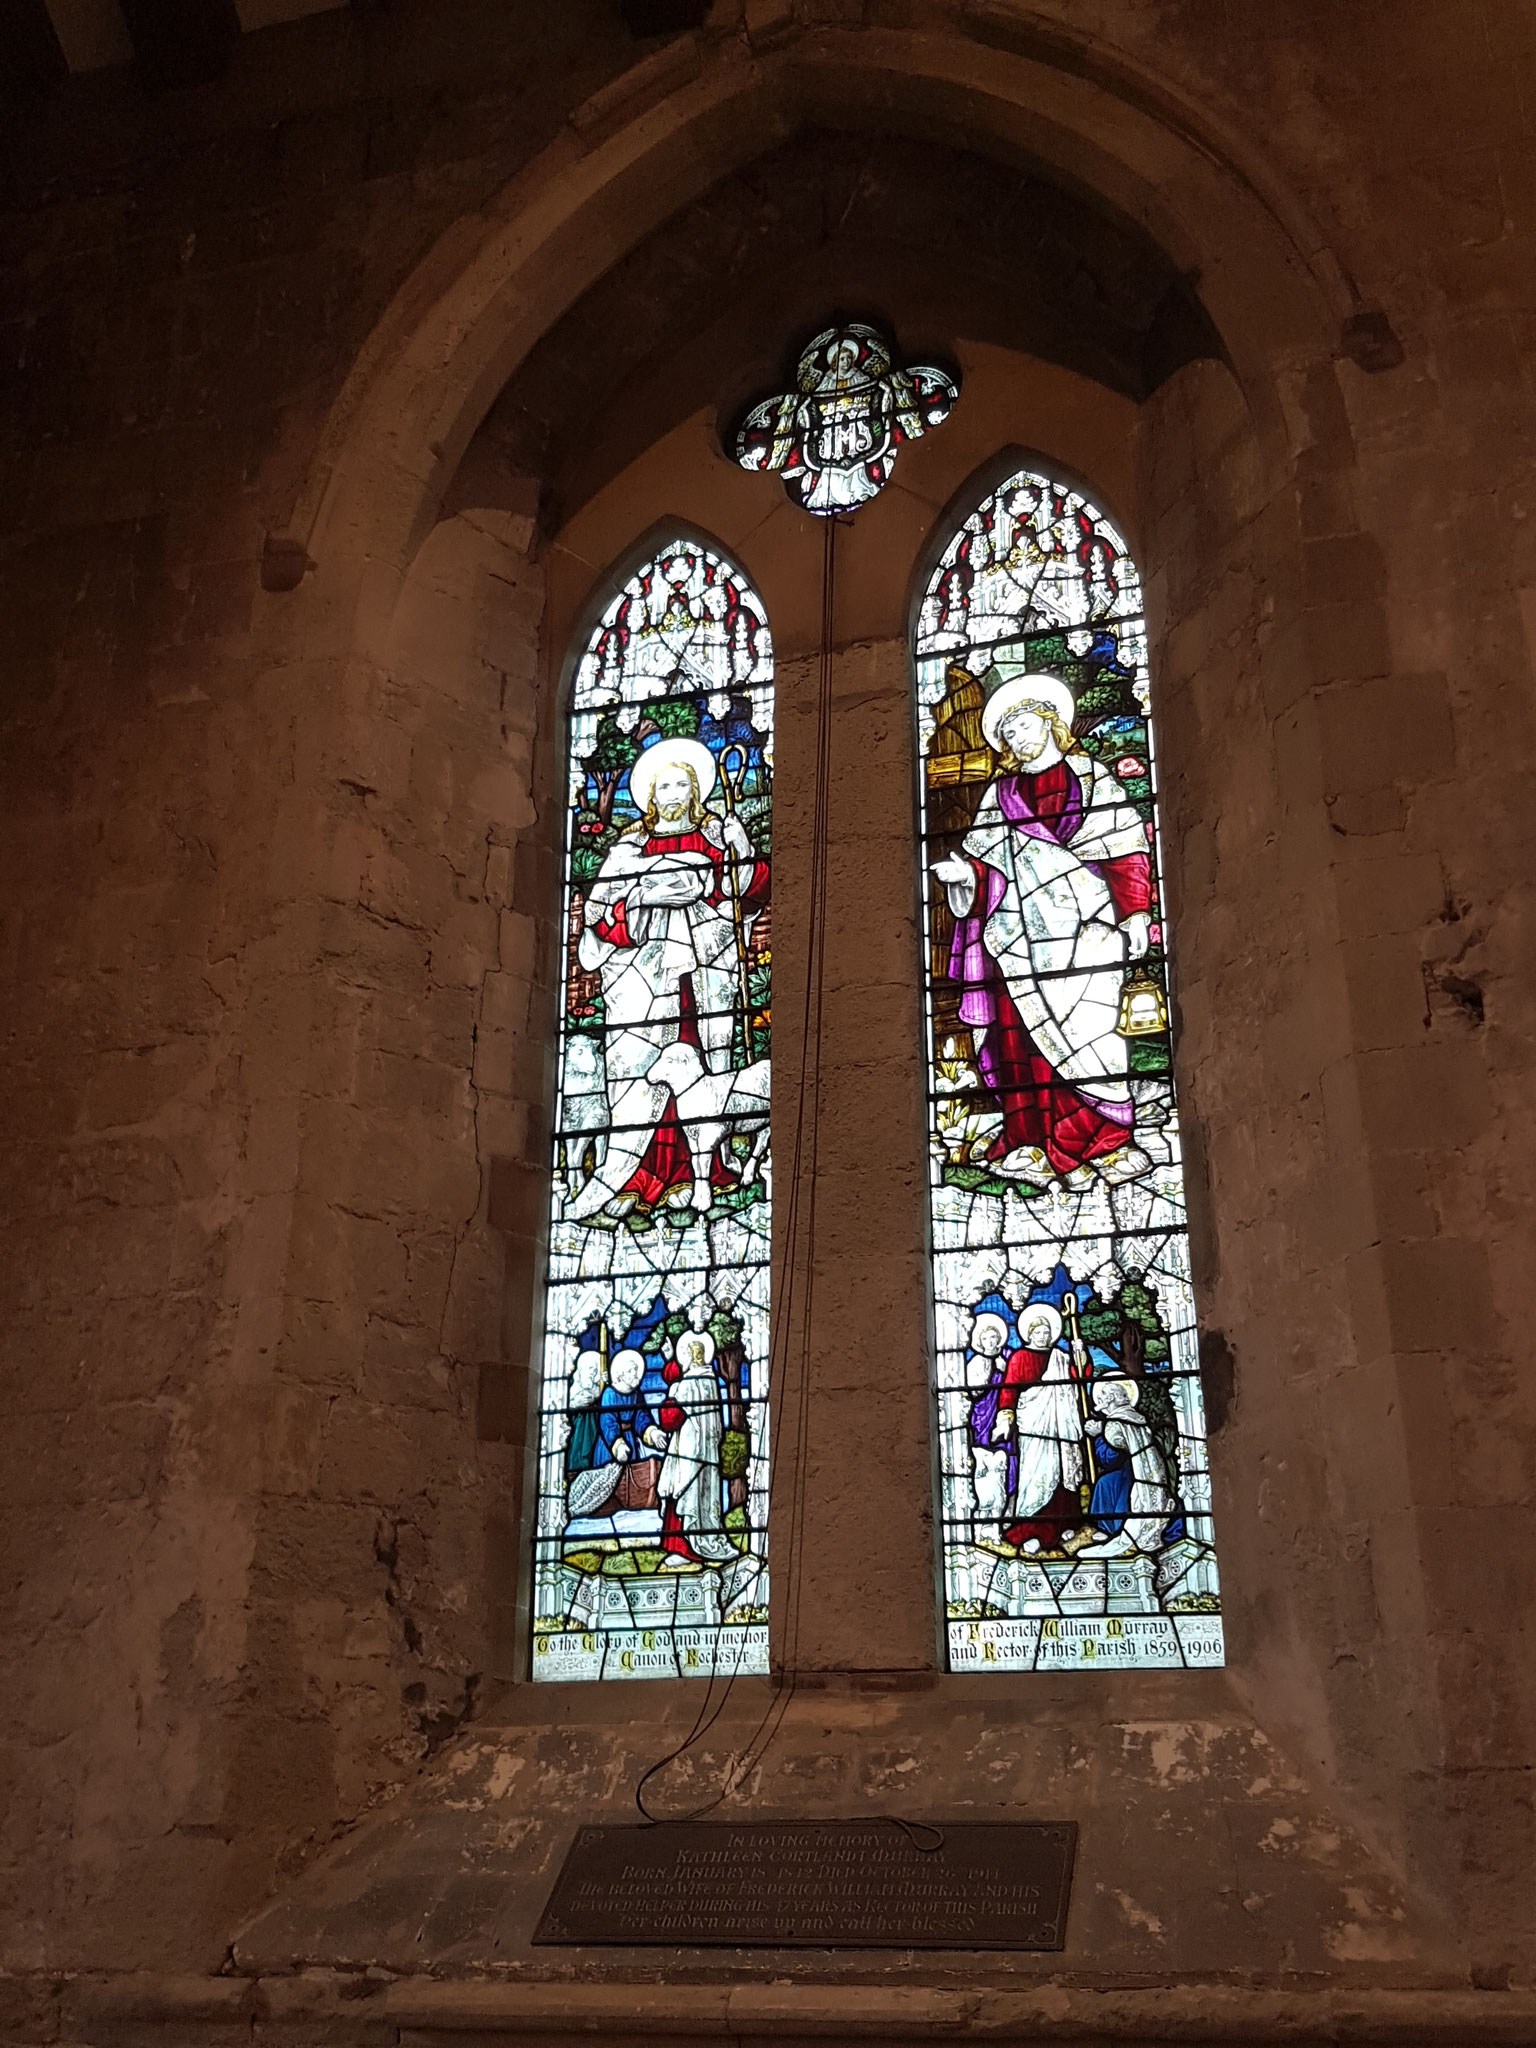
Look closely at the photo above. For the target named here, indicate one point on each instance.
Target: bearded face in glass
(674, 799)
(1031, 733)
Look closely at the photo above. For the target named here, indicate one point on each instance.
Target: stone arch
(390, 467)
(657, 137)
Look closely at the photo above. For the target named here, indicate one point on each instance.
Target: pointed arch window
(650, 1544)
(1074, 1486)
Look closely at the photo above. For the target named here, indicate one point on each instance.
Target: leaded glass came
(651, 1529)
(1074, 1482)
(834, 439)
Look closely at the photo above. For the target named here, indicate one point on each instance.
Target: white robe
(690, 1472)
(1048, 1422)
(646, 1062)
(1054, 934)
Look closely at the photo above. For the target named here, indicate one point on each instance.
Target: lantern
(1143, 1012)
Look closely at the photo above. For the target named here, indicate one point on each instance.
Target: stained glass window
(1075, 1492)
(834, 439)
(651, 1530)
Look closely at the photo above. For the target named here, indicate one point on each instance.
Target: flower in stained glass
(1074, 1487)
(650, 1542)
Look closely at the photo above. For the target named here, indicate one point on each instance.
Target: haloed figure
(1150, 1499)
(1026, 1433)
(665, 926)
(990, 1450)
(690, 1485)
(1051, 895)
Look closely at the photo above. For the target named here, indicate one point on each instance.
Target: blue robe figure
(623, 1417)
(630, 1443)
(1110, 1501)
(624, 1441)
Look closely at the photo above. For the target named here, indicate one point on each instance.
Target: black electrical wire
(801, 1157)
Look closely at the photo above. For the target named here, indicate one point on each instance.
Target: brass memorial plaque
(815, 1884)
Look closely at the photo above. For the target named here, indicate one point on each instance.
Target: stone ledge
(326, 2006)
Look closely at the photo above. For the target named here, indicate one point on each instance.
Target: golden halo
(671, 754)
(1040, 1312)
(1050, 692)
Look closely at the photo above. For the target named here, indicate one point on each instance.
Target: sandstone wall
(278, 896)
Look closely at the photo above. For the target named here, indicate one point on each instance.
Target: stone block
(1326, 505)
(373, 1454)
(1348, 639)
(1376, 896)
(504, 1003)
(1388, 729)
(463, 944)
(502, 1127)
(518, 948)
(1424, 1096)
(410, 886)
(30, 2010)
(1343, 569)
(471, 1324)
(522, 1301)
(400, 1365)
(436, 1024)
(1368, 813)
(501, 1404)
(1385, 980)
(1439, 1297)
(498, 875)
(416, 1089)
(536, 877)
(128, 1088)
(518, 1197)
(375, 952)
(294, 1438)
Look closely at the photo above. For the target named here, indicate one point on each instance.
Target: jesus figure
(1051, 894)
(665, 927)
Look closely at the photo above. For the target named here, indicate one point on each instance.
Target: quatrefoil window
(834, 439)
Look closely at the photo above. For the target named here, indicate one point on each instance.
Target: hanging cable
(803, 1171)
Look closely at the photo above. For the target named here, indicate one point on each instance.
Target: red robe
(1039, 1108)
(1064, 1509)
(667, 1162)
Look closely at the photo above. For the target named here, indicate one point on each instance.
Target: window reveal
(651, 1527)
(1075, 1492)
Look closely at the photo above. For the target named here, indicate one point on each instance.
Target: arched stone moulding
(494, 284)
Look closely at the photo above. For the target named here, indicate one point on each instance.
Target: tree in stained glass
(1075, 1487)
(651, 1531)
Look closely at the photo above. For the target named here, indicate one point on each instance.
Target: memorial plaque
(815, 1884)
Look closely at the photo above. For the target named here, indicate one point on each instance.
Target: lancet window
(1075, 1491)
(651, 1526)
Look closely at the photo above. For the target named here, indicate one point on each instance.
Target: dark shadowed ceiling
(941, 243)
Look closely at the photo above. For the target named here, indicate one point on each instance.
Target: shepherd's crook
(732, 789)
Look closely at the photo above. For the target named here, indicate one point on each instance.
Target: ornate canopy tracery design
(1074, 1487)
(651, 1526)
